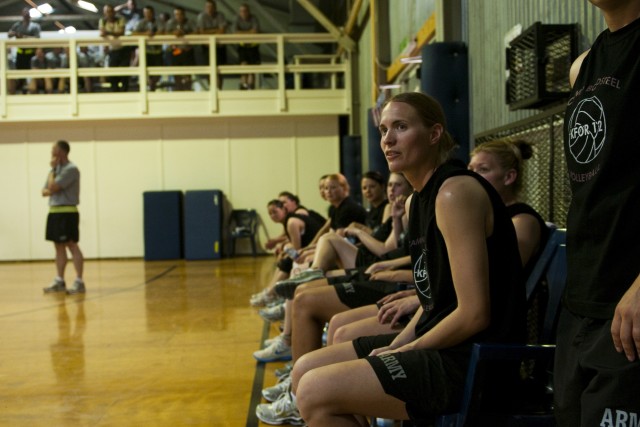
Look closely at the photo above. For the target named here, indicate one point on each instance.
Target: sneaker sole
(290, 421)
(277, 359)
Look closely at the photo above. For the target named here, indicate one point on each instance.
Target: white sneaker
(272, 314)
(282, 411)
(270, 341)
(56, 286)
(76, 288)
(271, 394)
(262, 298)
(277, 351)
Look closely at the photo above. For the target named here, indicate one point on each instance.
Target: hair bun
(526, 149)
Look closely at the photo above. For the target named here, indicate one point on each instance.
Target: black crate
(538, 64)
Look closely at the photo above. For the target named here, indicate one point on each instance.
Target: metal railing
(287, 69)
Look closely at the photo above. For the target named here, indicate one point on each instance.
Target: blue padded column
(445, 76)
(203, 224)
(162, 225)
(351, 163)
(377, 161)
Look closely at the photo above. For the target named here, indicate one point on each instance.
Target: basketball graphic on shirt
(421, 278)
(587, 130)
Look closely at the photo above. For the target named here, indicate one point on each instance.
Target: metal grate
(538, 64)
(545, 182)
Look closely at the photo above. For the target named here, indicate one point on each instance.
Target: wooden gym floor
(163, 343)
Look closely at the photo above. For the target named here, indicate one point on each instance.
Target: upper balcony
(296, 83)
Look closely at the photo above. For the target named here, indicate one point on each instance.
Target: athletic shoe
(56, 286)
(279, 350)
(282, 411)
(272, 314)
(286, 288)
(284, 372)
(271, 394)
(262, 298)
(270, 341)
(76, 288)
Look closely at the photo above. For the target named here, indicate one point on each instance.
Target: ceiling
(275, 16)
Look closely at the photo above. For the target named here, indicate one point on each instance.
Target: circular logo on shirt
(587, 130)
(421, 277)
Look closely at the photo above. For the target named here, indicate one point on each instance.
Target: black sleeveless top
(523, 208)
(602, 149)
(432, 271)
(311, 228)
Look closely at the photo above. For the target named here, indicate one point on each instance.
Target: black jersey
(432, 271)
(374, 215)
(523, 208)
(602, 149)
(311, 227)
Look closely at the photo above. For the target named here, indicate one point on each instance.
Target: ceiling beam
(343, 40)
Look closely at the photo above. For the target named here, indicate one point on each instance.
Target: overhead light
(411, 60)
(390, 86)
(45, 9)
(67, 30)
(87, 6)
(35, 13)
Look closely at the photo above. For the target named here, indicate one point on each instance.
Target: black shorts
(430, 382)
(285, 265)
(358, 294)
(249, 54)
(63, 227)
(350, 275)
(593, 383)
(155, 59)
(221, 55)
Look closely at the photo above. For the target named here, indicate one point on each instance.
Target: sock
(59, 279)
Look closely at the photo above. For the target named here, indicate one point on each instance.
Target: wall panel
(250, 161)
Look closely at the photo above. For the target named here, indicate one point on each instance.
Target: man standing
(63, 189)
(19, 30)
(210, 21)
(248, 53)
(597, 371)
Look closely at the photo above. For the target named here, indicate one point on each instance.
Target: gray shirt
(68, 178)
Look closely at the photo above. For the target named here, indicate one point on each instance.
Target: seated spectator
(58, 58)
(86, 59)
(468, 274)
(182, 54)
(40, 62)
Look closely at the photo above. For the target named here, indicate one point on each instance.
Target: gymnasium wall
(251, 160)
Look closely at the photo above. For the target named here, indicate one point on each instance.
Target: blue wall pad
(445, 76)
(203, 218)
(162, 225)
(351, 163)
(377, 161)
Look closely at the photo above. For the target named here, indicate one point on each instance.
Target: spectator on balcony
(131, 13)
(58, 58)
(86, 59)
(150, 26)
(248, 53)
(181, 55)
(39, 61)
(210, 21)
(19, 30)
(111, 28)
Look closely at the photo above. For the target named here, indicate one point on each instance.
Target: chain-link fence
(545, 182)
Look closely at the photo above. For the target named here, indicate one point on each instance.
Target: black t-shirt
(602, 149)
(432, 271)
(374, 215)
(347, 212)
(311, 227)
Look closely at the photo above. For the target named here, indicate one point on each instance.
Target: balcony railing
(291, 81)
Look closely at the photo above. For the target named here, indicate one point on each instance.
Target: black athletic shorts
(358, 294)
(594, 385)
(430, 382)
(249, 54)
(350, 275)
(285, 264)
(63, 227)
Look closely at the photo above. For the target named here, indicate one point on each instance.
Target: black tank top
(432, 271)
(602, 149)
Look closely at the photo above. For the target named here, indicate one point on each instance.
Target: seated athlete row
(454, 279)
